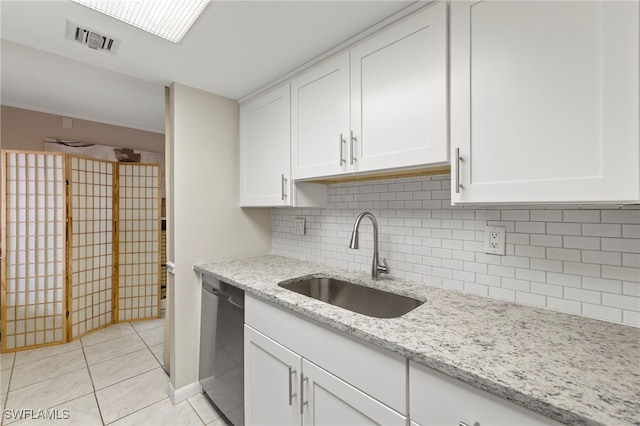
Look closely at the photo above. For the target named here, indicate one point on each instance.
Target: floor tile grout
(84, 347)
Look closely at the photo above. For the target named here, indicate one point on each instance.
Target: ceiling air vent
(90, 38)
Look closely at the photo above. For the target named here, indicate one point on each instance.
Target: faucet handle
(384, 269)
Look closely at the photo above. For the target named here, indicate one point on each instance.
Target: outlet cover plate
(299, 225)
(494, 240)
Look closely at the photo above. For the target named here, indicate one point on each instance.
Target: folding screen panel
(90, 261)
(33, 242)
(54, 290)
(138, 245)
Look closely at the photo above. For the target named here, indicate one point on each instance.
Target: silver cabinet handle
(292, 394)
(284, 187)
(342, 142)
(464, 424)
(302, 401)
(458, 159)
(352, 159)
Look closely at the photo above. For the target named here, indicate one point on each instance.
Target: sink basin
(356, 298)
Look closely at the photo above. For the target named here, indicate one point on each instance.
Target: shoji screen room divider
(81, 246)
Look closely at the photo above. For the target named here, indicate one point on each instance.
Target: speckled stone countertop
(573, 369)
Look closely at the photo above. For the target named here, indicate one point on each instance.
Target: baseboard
(178, 395)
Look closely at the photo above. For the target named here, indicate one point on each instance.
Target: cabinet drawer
(437, 399)
(375, 372)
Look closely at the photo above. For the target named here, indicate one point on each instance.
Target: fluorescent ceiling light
(169, 19)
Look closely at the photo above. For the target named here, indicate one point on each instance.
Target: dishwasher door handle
(222, 296)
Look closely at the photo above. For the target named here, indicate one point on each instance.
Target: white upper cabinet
(545, 101)
(265, 149)
(381, 105)
(399, 94)
(320, 119)
(265, 155)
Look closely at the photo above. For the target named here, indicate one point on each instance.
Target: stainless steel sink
(354, 297)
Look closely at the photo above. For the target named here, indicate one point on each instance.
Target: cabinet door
(327, 400)
(437, 399)
(320, 120)
(544, 101)
(399, 94)
(271, 379)
(265, 150)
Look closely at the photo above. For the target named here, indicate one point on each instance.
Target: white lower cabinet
(439, 400)
(282, 388)
(271, 374)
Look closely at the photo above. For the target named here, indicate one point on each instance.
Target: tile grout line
(93, 386)
(6, 396)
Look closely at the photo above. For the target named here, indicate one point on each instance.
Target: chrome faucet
(376, 269)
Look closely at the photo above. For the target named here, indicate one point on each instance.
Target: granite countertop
(573, 369)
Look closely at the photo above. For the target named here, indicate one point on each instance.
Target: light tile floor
(111, 377)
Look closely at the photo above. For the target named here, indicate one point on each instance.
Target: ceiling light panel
(169, 19)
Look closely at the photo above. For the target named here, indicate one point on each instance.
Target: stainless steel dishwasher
(222, 348)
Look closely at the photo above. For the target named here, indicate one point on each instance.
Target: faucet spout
(376, 268)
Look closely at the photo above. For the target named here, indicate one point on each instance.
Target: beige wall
(25, 130)
(205, 222)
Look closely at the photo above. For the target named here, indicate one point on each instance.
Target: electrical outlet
(299, 225)
(494, 240)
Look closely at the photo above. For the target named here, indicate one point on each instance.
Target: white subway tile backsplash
(602, 285)
(631, 231)
(621, 216)
(580, 260)
(582, 295)
(629, 245)
(605, 313)
(581, 216)
(602, 257)
(621, 273)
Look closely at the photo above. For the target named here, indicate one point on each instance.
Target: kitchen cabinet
(287, 363)
(320, 122)
(283, 388)
(265, 155)
(271, 381)
(381, 105)
(437, 399)
(545, 102)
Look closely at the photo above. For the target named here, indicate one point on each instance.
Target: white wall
(205, 221)
(583, 260)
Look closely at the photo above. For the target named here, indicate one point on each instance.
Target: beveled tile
(148, 324)
(43, 369)
(6, 360)
(204, 409)
(51, 392)
(113, 348)
(81, 411)
(109, 333)
(131, 395)
(158, 352)
(153, 336)
(121, 368)
(31, 355)
(162, 413)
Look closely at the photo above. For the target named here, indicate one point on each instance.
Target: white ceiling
(234, 49)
